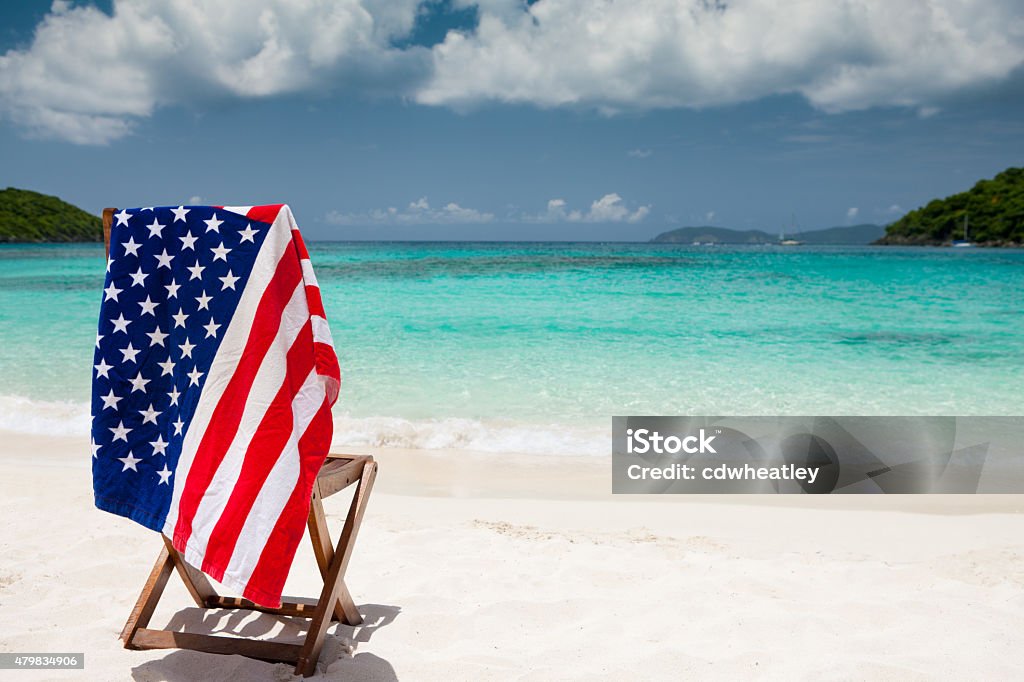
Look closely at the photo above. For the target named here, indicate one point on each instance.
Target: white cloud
(841, 55)
(852, 212)
(895, 208)
(88, 77)
(709, 216)
(639, 153)
(808, 138)
(608, 209)
(418, 212)
(195, 200)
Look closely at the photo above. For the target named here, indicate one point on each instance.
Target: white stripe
(276, 491)
(321, 330)
(308, 276)
(243, 210)
(276, 244)
(268, 381)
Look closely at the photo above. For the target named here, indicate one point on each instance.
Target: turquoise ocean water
(532, 347)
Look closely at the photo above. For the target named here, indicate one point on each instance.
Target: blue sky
(494, 120)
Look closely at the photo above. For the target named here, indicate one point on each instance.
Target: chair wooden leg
(334, 582)
(195, 582)
(320, 536)
(147, 601)
(347, 606)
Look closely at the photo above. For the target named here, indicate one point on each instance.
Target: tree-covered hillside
(27, 216)
(994, 210)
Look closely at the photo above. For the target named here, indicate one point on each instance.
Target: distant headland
(847, 235)
(27, 216)
(989, 214)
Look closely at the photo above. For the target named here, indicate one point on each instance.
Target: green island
(992, 211)
(27, 216)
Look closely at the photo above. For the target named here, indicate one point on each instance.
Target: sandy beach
(479, 567)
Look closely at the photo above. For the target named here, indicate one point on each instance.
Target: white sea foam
(67, 418)
(51, 418)
(470, 434)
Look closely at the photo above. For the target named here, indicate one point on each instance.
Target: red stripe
(264, 214)
(300, 245)
(316, 304)
(268, 442)
(267, 580)
(327, 362)
(228, 413)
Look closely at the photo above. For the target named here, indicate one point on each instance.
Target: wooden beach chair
(335, 602)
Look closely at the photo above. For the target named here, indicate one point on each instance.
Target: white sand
(472, 567)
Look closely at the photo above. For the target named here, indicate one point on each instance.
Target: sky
(504, 119)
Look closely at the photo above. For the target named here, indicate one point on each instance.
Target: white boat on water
(789, 242)
(965, 242)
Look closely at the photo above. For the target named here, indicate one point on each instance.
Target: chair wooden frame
(335, 602)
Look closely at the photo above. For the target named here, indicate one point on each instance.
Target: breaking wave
(471, 434)
(48, 418)
(68, 418)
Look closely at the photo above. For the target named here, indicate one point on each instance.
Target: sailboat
(960, 243)
(789, 242)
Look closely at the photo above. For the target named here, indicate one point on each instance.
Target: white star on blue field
(512, 120)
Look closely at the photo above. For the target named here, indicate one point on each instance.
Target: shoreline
(467, 474)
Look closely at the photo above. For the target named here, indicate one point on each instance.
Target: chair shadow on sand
(338, 657)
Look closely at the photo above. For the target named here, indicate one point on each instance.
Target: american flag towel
(212, 388)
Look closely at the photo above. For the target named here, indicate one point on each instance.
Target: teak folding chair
(335, 603)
